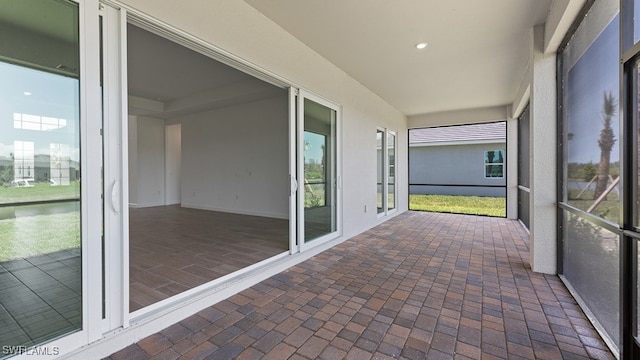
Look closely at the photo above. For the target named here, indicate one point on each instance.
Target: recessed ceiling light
(421, 45)
(27, 93)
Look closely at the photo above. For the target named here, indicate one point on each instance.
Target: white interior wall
(173, 161)
(133, 160)
(147, 185)
(232, 26)
(235, 159)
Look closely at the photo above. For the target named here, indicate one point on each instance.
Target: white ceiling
(476, 56)
(167, 79)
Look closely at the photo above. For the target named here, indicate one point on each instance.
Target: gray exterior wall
(448, 165)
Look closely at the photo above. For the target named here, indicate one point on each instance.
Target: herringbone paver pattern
(422, 285)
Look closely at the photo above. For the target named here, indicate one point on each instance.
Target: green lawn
(39, 192)
(472, 205)
(37, 229)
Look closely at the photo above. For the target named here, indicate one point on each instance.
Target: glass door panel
(391, 179)
(40, 222)
(319, 170)
(637, 145)
(380, 170)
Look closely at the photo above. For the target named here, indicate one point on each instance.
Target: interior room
(208, 166)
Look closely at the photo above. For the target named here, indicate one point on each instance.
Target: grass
(472, 205)
(42, 232)
(39, 192)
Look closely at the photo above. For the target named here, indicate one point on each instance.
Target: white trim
(294, 183)
(335, 139)
(115, 169)
(90, 124)
(237, 211)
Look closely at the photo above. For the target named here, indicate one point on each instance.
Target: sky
(636, 17)
(595, 73)
(314, 144)
(34, 92)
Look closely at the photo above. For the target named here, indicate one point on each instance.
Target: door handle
(294, 185)
(115, 192)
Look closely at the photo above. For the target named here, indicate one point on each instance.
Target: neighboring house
(458, 160)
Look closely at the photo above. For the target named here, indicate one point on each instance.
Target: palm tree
(606, 141)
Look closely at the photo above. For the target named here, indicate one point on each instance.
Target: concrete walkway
(421, 285)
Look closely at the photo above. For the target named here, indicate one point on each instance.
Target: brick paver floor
(422, 285)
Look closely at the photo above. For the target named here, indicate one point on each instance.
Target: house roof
(489, 132)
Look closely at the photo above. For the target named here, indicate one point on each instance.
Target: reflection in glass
(391, 156)
(40, 257)
(319, 170)
(592, 125)
(380, 170)
(591, 259)
(314, 170)
(637, 207)
(494, 164)
(636, 21)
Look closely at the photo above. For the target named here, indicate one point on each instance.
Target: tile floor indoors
(174, 249)
(422, 285)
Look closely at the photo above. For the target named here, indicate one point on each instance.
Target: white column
(543, 182)
(512, 168)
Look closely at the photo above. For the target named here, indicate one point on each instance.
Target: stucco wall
(453, 165)
(235, 159)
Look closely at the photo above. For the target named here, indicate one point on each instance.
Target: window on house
(494, 164)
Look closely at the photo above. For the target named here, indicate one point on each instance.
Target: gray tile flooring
(40, 297)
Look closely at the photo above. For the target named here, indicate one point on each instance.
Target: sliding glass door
(317, 169)
(40, 222)
(385, 171)
(380, 172)
(630, 241)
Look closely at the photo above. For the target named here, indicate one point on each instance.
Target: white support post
(512, 168)
(543, 181)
